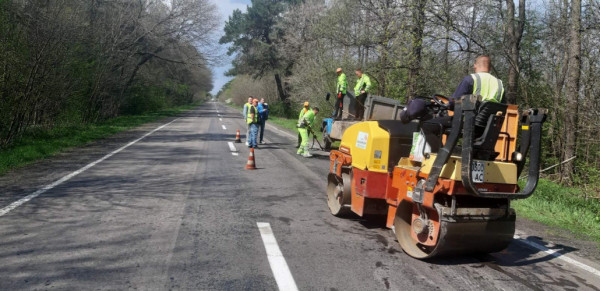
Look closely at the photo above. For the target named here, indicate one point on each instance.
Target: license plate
(477, 171)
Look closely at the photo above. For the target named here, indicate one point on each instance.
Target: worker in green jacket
(304, 123)
(303, 111)
(361, 90)
(342, 84)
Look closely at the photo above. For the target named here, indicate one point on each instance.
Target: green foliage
(142, 99)
(563, 207)
(280, 109)
(251, 35)
(63, 62)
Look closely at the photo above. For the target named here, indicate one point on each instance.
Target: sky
(225, 7)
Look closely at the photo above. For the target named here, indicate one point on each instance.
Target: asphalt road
(176, 210)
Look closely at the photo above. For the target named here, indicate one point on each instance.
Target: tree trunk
(447, 12)
(470, 59)
(418, 15)
(514, 32)
(572, 102)
(280, 90)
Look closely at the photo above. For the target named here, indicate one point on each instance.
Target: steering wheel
(441, 100)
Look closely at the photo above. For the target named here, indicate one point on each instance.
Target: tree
(251, 35)
(417, 11)
(514, 34)
(71, 62)
(573, 79)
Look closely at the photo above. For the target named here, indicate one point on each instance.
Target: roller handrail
(531, 135)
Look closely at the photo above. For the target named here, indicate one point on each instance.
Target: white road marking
(232, 147)
(224, 128)
(234, 154)
(41, 191)
(220, 119)
(558, 255)
(280, 269)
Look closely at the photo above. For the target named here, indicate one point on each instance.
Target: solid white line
(224, 128)
(280, 269)
(41, 191)
(558, 255)
(232, 147)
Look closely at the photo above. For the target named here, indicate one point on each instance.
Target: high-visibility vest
(302, 112)
(309, 117)
(342, 83)
(249, 118)
(364, 83)
(489, 87)
(246, 108)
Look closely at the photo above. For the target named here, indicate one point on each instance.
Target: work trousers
(261, 126)
(304, 145)
(253, 132)
(338, 108)
(247, 133)
(360, 105)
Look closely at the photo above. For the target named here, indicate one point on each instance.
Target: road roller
(443, 189)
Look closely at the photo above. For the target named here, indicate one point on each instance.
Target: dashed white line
(41, 191)
(558, 255)
(224, 128)
(220, 119)
(232, 147)
(279, 267)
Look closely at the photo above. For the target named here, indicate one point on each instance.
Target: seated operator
(480, 83)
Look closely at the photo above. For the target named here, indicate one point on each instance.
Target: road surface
(170, 206)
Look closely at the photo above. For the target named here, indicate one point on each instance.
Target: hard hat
(339, 70)
(306, 104)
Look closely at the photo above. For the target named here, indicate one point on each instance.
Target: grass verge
(38, 144)
(562, 207)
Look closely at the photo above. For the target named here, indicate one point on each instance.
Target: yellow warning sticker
(525, 127)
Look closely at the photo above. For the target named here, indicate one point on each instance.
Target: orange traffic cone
(238, 139)
(250, 165)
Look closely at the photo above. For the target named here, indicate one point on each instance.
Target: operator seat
(488, 124)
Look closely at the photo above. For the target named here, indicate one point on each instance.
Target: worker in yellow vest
(481, 83)
(342, 84)
(304, 124)
(245, 115)
(303, 111)
(252, 120)
(361, 90)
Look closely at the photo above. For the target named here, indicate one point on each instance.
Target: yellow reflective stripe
(525, 127)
